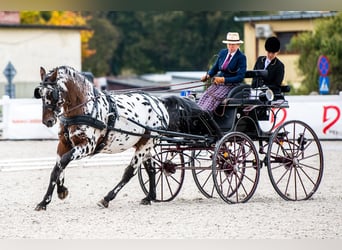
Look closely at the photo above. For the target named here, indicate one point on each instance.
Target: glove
(204, 78)
(219, 80)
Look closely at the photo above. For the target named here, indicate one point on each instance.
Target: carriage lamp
(266, 95)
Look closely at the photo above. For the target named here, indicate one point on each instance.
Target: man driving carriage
(229, 71)
(230, 67)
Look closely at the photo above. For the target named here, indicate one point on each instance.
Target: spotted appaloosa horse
(92, 121)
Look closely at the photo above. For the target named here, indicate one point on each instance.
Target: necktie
(226, 62)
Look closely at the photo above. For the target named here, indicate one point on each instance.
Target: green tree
(325, 40)
(105, 39)
(175, 40)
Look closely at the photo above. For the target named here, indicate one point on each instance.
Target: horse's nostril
(49, 123)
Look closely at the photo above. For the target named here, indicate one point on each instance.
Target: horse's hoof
(145, 202)
(103, 203)
(40, 207)
(62, 195)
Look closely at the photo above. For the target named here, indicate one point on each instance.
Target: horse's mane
(69, 73)
(72, 73)
(74, 83)
(181, 110)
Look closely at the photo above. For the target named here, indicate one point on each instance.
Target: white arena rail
(22, 117)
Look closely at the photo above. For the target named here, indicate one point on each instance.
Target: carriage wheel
(235, 168)
(295, 161)
(169, 166)
(201, 161)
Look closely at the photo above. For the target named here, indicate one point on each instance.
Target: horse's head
(51, 95)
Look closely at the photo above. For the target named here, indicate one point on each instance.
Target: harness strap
(112, 111)
(113, 115)
(82, 120)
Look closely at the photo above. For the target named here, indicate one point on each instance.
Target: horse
(92, 121)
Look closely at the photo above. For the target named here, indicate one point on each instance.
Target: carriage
(224, 155)
(229, 164)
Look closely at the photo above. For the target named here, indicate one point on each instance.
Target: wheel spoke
(169, 169)
(236, 168)
(295, 161)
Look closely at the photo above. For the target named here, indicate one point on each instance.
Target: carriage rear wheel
(295, 161)
(169, 173)
(235, 168)
(201, 161)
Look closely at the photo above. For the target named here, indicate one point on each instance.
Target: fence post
(6, 102)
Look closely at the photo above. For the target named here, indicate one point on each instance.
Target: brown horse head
(50, 94)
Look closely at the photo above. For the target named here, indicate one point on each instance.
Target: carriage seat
(242, 93)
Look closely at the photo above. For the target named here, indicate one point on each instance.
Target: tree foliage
(105, 40)
(175, 40)
(136, 42)
(325, 40)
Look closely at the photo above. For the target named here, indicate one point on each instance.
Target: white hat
(233, 38)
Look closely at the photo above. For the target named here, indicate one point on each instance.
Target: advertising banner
(22, 118)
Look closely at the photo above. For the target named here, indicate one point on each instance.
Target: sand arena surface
(189, 216)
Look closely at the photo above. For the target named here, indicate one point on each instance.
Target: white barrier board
(322, 113)
(22, 118)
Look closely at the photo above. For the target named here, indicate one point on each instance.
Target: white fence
(22, 117)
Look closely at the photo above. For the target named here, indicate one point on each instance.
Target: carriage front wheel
(169, 173)
(235, 168)
(201, 161)
(295, 161)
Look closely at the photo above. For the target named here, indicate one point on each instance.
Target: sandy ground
(189, 216)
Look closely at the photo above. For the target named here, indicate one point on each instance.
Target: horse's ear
(54, 75)
(42, 73)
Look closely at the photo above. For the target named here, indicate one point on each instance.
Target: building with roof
(28, 47)
(283, 25)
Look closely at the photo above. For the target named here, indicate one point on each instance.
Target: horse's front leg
(55, 179)
(62, 191)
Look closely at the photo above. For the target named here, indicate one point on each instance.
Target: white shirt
(267, 62)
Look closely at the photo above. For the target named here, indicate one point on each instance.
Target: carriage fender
(245, 124)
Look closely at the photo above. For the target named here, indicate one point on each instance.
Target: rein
(132, 89)
(79, 105)
(168, 85)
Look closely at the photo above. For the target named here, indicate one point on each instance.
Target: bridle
(54, 93)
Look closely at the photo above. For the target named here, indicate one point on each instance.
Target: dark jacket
(275, 73)
(235, 72)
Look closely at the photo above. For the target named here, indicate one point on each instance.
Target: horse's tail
(182, 111)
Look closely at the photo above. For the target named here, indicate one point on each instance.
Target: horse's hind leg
(151, 171)
(143, 148)
(128, 174)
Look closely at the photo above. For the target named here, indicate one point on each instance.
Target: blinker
(37, 94)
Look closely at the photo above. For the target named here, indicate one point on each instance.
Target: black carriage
(225, 155)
